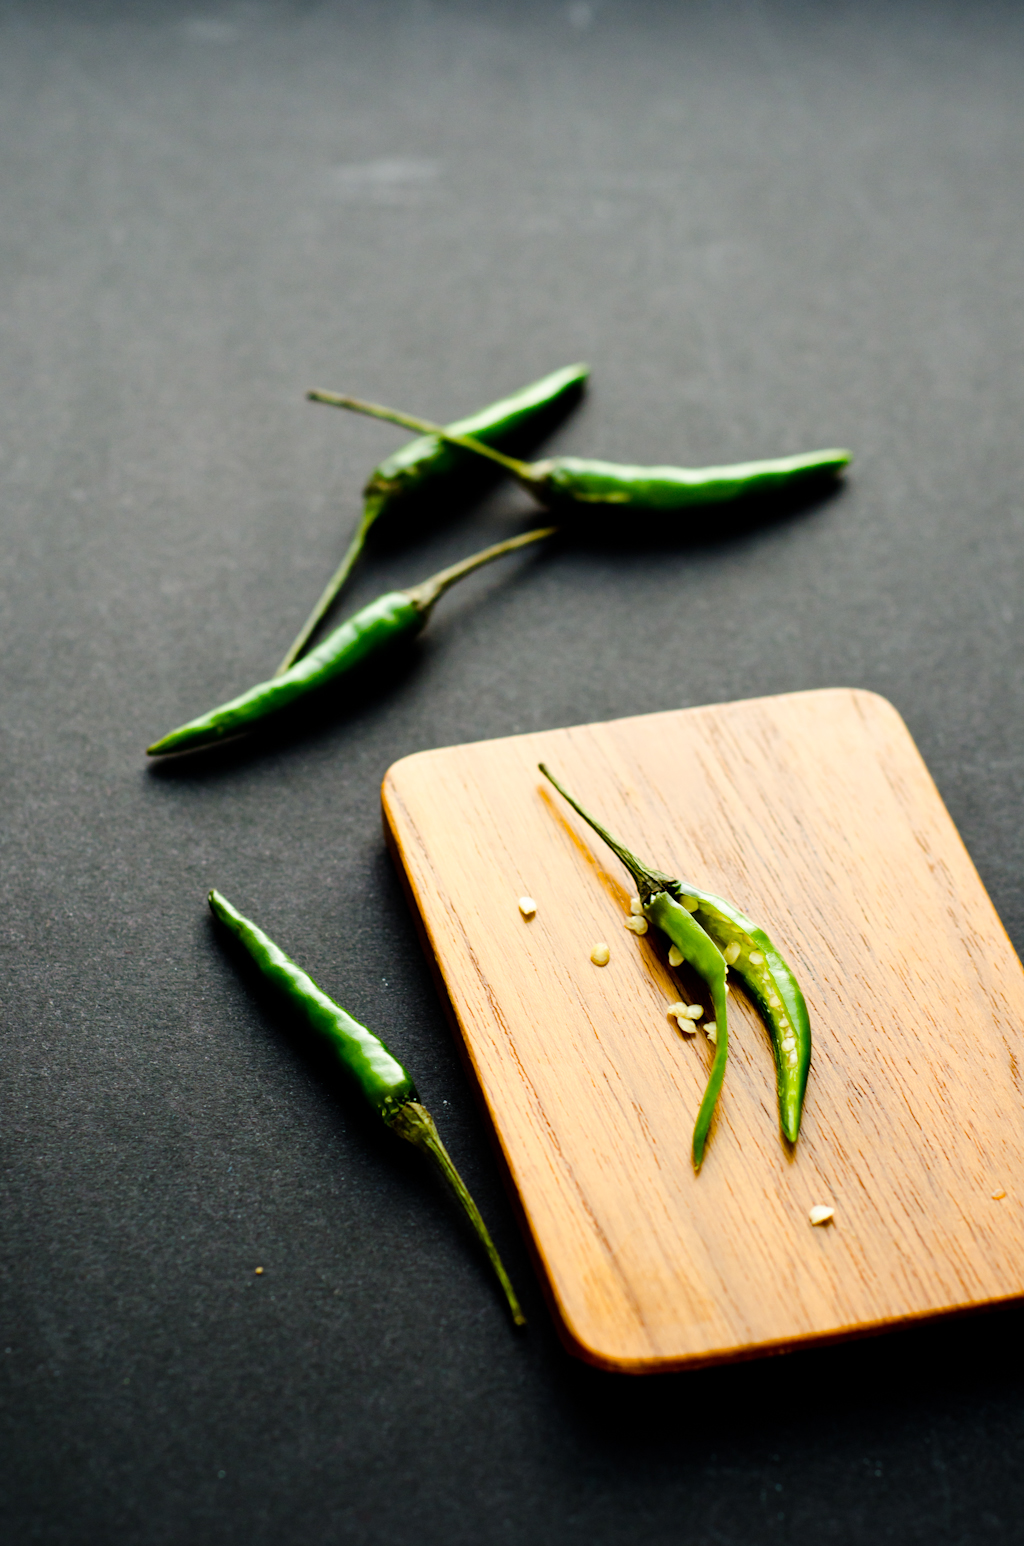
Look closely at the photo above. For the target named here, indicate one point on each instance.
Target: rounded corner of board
(622, 1362)
(864, 700)
(601, 1352)
(876, 702)
(595, 1357)
(396, 770)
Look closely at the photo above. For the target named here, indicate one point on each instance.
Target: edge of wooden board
(576, 1344)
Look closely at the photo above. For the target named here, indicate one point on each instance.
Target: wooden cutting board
(815, 814)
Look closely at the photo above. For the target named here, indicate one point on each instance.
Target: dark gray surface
(768, 227)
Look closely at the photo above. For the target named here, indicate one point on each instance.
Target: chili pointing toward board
(393, 616)
(432, 462)
(379, 1077)
(575, 482)
(713, 935)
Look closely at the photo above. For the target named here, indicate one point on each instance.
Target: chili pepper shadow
(317, 715)
(367, 1132)
(286, 1028)
(609, 528)
(430, 509)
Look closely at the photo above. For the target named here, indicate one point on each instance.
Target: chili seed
(998, 1196)
(680, 1012)
(600, 955)
(635, 905)
(724, 929)
(527, 906)
(711, 1032)
(637, 925)
(820, 1214)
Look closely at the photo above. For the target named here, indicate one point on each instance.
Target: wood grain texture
(815, 814)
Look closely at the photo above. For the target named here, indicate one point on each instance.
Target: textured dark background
(768, 226)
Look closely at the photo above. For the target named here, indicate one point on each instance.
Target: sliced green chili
(378, 1076)
(431, 462)
(771, 984)
(714, 936)
(708, 962)
(396, 615)
(575, 482)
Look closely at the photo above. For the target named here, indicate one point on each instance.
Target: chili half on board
(393, 616)
(713, 935)
(384, 1084)
(432, 463)
(573, 482)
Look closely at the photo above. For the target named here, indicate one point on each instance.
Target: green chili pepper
(430, 462)
(573, 482)
(694, 945)
(713, 935)
(380, 1078)
(771, 984)
(396, 615)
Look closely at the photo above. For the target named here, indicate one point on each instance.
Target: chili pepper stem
(371, 510)
(414, 1123)
(512, 464)
(382, 1081)
(724, 938)
(662, 903)
(427, 592)
(648, 881)
(395, 615)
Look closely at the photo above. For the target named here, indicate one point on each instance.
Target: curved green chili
(431, 461)
(378, 1076)
(771, 984)
(715, 937)
(708, 962)
(396, 615)
(574, 482)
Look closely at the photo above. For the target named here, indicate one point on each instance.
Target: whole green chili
(575, 482)
(431, 462)
(393, 616)
(378, 1076)
(714, 936)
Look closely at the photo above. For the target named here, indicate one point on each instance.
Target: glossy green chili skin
(573, 482)
(392, 617)
(708, 962)
(380, 1078)
(733, 938)
(775, 991)
(431, 464)
(389, 618)
(427, 461)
